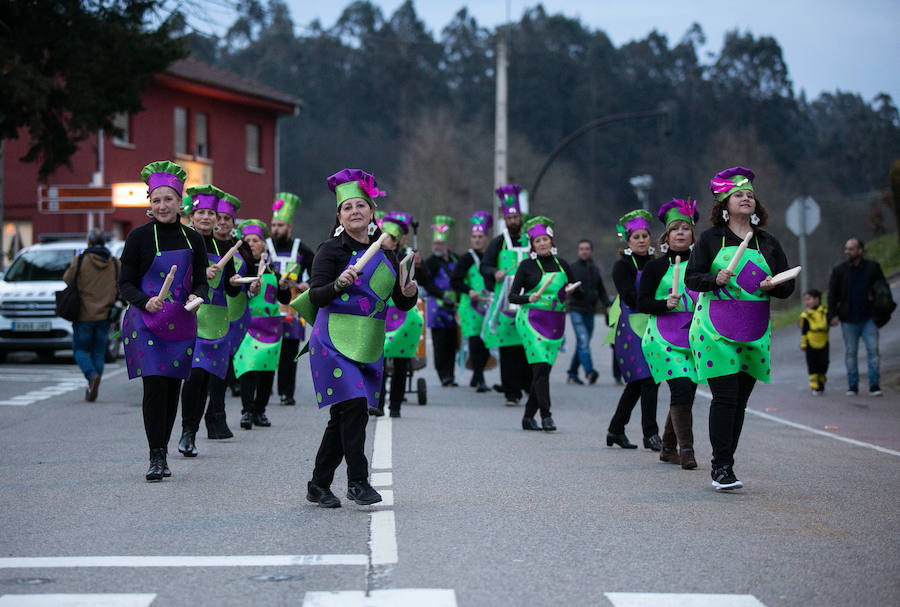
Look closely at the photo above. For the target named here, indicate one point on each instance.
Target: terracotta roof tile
(197, 71)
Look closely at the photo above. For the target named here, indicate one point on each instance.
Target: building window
(252, 149)
(181, 132)
(122, 120)
(201, 136)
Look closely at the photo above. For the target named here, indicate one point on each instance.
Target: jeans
(852, 331)
(89, 344)
(584, 329)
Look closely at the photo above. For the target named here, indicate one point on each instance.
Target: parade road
(476, 511)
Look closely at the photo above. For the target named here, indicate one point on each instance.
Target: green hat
(354, 183)
(228, 205)
(634, 220)
(729, 181)
(393, 228)
(253, 226)
(205, 196)
(164, 173)
(285, 206)
(678, 210)
(538, 226)
(442, 226)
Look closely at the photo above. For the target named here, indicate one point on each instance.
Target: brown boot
(687, 459)
(668, 436)
(669, 455)
(682, 421)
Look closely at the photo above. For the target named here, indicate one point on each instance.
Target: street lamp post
(642, 185)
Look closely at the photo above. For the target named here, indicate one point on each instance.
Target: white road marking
(383, 538)
(250, 560)
(844, 439)
(399, 597)
(387, 498)
(76, 600)
(654, 599)
(381, 449)
(382, 479)
(66, 383)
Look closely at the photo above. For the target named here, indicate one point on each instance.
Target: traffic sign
(74, 199)
(803, 216)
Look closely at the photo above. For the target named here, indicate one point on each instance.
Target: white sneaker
(851, 392)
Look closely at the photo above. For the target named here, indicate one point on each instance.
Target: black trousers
(193, 398)
(730, 394)
(539, 394)
(515, 372)
(399, 374)
(217, 389)
(444, 347)
(645, 390)
(478, 355)
(287, 367)
(160, 406)
(256, 388)
(682, 391)
(344, 438)
(817, 360)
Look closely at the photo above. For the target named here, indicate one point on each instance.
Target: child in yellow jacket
(814, 339)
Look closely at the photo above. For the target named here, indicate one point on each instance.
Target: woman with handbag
(346, 347)
(163, 268)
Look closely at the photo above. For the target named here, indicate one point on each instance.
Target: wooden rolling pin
(228, 255)
(164, 291)
(737, 256)
(676, 277)
(370, 252)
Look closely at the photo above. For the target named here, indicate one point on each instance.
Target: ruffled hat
(638, 219)
(253, 226)
(354, 183)
(482, 222)
(229, 205)
(164, 173)
(538, 226)
(285, 207)
(729, 181)
(205, 196)
(396, 224)
(442, 226)
(379, 218)
(509, 198)
(678, 210)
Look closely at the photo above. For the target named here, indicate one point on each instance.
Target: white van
(28, 319)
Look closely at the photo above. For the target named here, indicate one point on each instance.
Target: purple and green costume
(212, 351)
(261, 345)
(665, 342)
(542, 324)
(162, 343)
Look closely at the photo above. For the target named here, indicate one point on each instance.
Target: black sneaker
(875, 390)
(362, 493)
(321, 496)
(260, 419)
(654, 443)
(246, 420)
(592, 377)
(573, 379)
(852, 391)
(723, 478)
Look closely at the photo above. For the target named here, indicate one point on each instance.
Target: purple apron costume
(261, 345)
(346, 347)
(436, 315)
(161, 343)
(212, 351)
(627, 345)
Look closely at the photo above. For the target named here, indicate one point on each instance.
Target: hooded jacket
(97, 283)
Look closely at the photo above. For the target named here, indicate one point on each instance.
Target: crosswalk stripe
(250, 560)
(671, 599)
(76, 600)
(398, 597)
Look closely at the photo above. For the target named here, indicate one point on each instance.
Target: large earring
(754, 219)
(627, 251)
(533, 255)
(553, 251)
(371, 229)
(664, 247)
(338, 230)
(725, 214)
(651, 250)
(149, 213)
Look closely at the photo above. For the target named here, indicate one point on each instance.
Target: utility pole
(500, 138)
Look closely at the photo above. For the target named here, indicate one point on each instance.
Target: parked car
(28, 319)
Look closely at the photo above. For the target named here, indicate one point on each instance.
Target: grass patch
(886, 251)
(786, 317)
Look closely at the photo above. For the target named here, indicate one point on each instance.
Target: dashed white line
(383, 538)
(381, 449)
(654, 599)
(398, 597)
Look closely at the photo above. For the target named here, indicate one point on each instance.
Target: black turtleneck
(220, 247)
(140, 251)
(624, 272)
(651, 277)
(529, 273)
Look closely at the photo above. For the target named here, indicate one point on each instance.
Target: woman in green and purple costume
(730, 333)
(256, 359)
(346, 344)
(540, 286)
(665, 343)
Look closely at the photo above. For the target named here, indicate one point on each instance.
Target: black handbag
(67, 301)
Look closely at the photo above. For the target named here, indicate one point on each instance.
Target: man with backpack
(860, 298)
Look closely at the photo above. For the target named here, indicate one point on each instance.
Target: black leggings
(287, 367)
(645, 389)
(160, 407)
(479, 355)
(539, 394)
(730, 394)
(344, 438)
(515, 372)
(256, 388)
(443, 341)
(193, 398)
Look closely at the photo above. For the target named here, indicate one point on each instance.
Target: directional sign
(74, 199)
(803, 216)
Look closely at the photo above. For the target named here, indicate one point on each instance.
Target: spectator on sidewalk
(850, 303)
(98, 276)
(581, 312)
(814, 339)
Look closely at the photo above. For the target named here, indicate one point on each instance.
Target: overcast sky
(828, 45)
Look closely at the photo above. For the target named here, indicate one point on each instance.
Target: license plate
(31, 325)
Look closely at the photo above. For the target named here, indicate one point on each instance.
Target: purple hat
(229, 205)
(164, 173)
(678, 210)
(354, 183)
(395, 224)
(482, 222)
(204, 197)
(538, 226)
(509, 198)
(631, 221)
(729, 181)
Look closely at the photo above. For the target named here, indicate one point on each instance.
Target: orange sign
(74, 199)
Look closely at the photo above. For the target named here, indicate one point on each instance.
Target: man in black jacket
(850, 302)
(581, 312)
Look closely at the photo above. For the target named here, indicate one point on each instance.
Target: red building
(220, 127)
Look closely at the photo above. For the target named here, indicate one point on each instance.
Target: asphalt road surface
(476, 511)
